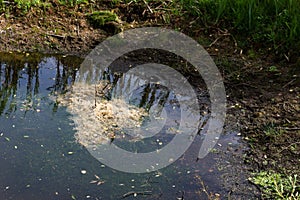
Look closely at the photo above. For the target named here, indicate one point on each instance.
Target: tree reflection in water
(20, 77)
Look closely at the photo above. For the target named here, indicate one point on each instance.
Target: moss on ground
(99, 18)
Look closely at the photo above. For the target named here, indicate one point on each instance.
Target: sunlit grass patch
(277, 186)
(273, 23)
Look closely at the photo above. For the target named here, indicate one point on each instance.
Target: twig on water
(134, 193)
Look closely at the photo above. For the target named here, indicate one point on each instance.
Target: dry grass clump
(98, 120)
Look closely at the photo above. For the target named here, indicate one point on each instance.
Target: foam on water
(96, 119)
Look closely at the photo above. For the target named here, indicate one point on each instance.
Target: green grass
(21, 5)
(273, 25)
(72, 2)
(270, 130)
(268, 23)
(25, 5)
(277, 186)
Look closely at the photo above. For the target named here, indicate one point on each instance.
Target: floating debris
(97, 181)
(136, 193)
(96, 119)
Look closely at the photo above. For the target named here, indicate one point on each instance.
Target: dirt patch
(49, 30)
(266, 103)
(59, 28)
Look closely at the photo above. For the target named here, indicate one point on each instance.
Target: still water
(41, 159)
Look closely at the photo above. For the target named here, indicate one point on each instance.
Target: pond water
(41, 159)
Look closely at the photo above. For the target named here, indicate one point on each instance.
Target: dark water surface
(40, 159)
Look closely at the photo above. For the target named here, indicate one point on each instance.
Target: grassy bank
(270, 24)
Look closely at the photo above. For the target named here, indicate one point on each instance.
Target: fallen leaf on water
(97, 181)
(93, 181)
(100, 182)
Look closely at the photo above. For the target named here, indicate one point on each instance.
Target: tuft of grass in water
(277, 186)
